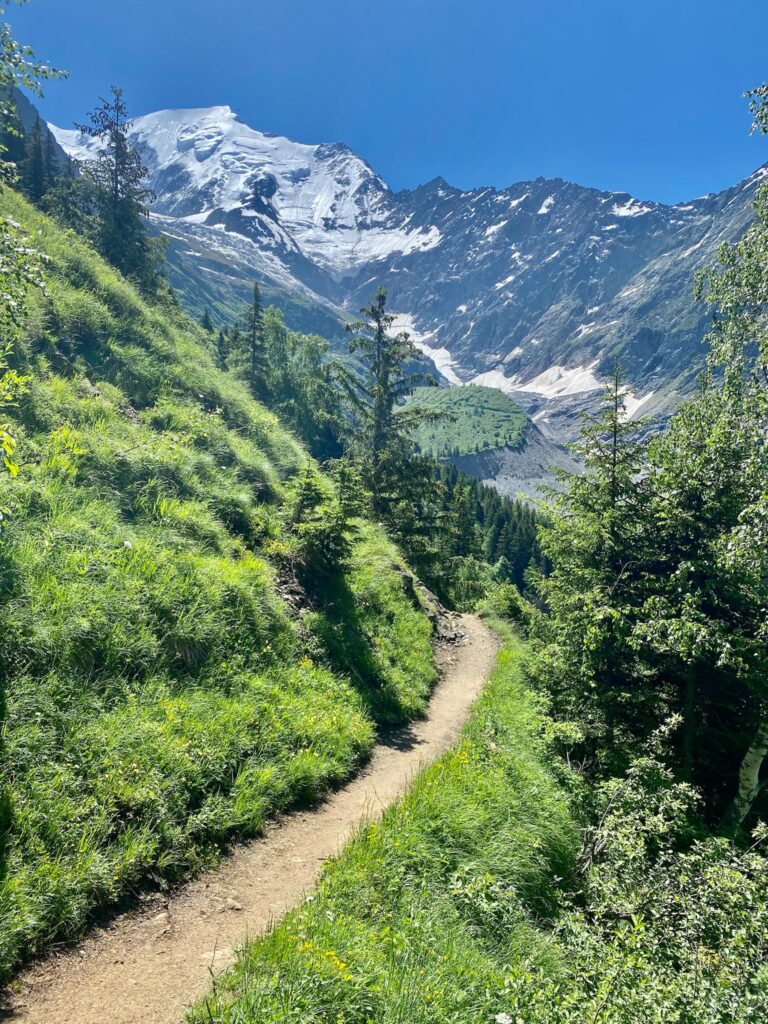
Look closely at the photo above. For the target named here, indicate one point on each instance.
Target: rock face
(522, 472)
(28, 115)
(535, 289)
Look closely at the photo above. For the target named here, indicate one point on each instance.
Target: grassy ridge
(160, 693)
(418, 918)
(480, 418)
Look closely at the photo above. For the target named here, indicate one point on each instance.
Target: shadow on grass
(5, 798)
(342, 629)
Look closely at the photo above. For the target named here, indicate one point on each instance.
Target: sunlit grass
(162, 697)
(418, 918)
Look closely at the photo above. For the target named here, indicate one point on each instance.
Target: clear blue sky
(635, 95)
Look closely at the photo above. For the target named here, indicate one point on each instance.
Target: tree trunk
(689, 721)
(749, 778)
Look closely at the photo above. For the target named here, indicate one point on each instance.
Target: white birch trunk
(749, 777)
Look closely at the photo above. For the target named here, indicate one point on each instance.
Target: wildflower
(503, 1018)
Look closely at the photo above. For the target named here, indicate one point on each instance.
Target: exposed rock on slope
(521, 472)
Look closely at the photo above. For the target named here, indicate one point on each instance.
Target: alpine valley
(535, 289)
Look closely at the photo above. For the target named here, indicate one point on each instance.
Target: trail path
(148, 966)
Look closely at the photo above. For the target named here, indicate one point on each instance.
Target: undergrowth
(417, 918)
(162, 694)
(481, 897)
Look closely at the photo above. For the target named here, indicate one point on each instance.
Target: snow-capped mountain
(534, 289)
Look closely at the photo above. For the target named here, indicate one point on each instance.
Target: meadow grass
(474, 418)
(420, 916)
(160, 694)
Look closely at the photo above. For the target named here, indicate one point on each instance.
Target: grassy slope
(161, 695)
(419, 917)
(482, 418)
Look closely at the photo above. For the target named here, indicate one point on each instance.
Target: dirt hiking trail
(148, 966)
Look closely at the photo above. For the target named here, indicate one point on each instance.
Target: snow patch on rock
(631, 208)
(440, 356)
(561, 380)
(547, 205)
(633, 403)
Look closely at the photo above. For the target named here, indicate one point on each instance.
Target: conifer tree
(53, 168)
(235, 340)
(221, 350)
(206, 323)
(119, 192)
(384, 431)
(257, 354)
(32, 171)
(593, 536)
(464, 519)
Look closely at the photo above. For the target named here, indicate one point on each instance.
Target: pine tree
(32, 172)
(206, 323)
(254, 326)
(119, 192)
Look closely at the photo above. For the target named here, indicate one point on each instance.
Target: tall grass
(474, 901)
(162, 695)
(418, 918)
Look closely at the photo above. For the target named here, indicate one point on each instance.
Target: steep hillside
(188, 646)
(534, 289)
(523, 471)
(486, 435)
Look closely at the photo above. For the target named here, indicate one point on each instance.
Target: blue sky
(635, 95)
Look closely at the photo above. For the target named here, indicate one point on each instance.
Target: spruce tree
(254, 326)
(221, 350)
(53, 168)
(384, 439)
(121, 196)
(594, 536)
(206, 323)
(32, 172)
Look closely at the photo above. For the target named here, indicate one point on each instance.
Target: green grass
(419, 917)
(480, 418)
(469, 902)
(161, 695)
